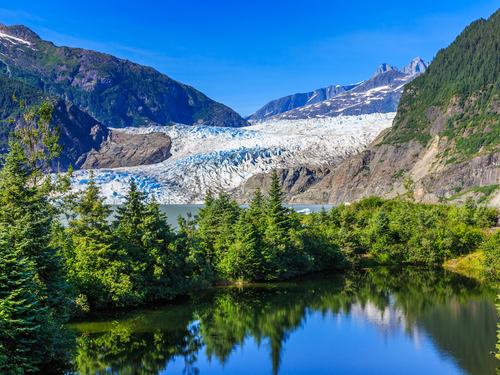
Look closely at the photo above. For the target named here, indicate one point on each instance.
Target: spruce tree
(91, 211)
(130, 215)
(20, 311)
(242, 260)
(257, 207)
(97, 266)
(207, 227)
(33, 300)
(276, 212)
(275, 252)
(156, 264)
(214, 224)
(28, 217)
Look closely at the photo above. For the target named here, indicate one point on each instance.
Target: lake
(174, 210)
(375, 321)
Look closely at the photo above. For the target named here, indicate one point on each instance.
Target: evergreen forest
(105, 259)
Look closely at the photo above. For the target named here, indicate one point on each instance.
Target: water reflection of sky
(378, 321)
(364, 341)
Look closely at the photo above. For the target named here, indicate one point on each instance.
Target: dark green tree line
(34, 298)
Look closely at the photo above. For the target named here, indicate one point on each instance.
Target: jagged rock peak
(19, 31)
(417, 65)
(384, 68)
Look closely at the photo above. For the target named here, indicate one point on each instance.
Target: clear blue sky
(245, 53)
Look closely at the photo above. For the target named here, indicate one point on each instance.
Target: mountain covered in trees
(379, 94)
(114, 91)
(87, 143)
(445, 139)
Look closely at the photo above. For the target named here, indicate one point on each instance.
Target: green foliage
(145, 95)
(9, 90)
(491, 249)
(135, 259)
(486, 190)
(405, 232)
(399, 174)
(157, 266)
(34, 303)
(20, 312)
(217, 322)
(95, 264)
(466, 73)
(264, 242)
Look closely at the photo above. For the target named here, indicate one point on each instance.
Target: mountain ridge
(293, 106)
(81, 134)
(445, 138)
(115, 91)
(379, 94)
(290, 102)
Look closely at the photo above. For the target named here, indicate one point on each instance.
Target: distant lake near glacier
(174, 210)
(374, 321)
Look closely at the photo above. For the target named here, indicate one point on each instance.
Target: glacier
(223, 158)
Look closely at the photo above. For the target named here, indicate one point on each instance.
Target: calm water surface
(174, 210)
(377, 321)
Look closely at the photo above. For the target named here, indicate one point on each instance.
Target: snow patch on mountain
(219, 158)
(13, 39)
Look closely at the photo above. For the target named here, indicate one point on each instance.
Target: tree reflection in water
(457, 312)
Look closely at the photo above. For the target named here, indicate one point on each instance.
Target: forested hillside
(86, 142)
(80, 132)
(116, 92)
(445, 136)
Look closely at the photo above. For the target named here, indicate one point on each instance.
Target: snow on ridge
(223, 158)
(13, 38)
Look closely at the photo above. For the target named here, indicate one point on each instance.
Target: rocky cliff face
(287, 103)
(445, 139)
(380, 94)
(348, 100)
(293, 181)
(114, 91)
(382, 169)
(127, 150)
(87, 143)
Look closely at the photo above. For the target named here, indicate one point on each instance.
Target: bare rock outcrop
(293, 181)
(127, 150)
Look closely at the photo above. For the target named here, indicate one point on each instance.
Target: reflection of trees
(123, 352)
(222, 319)
(266, 314)
(141, 345)
(457, 312)
(439, 300)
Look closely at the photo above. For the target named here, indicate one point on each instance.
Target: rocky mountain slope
(114, 91)
(274, 108)
(223, 159)
(445, 137)
(127, 150)
(306, 150)
(287, 103)
(380, 94)
(81, 134)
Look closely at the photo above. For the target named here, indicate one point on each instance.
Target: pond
(375, 321)
(174, 210)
